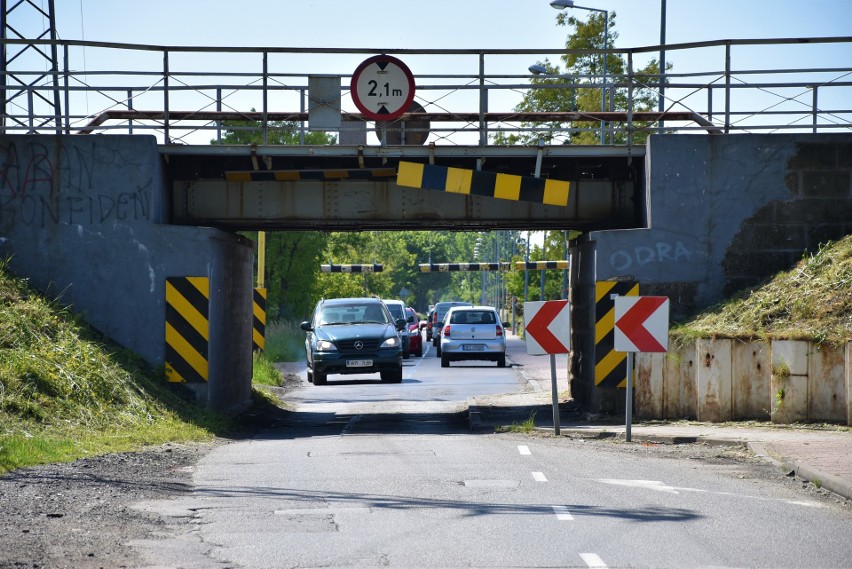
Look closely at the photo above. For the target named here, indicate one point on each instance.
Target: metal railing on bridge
(191, 94)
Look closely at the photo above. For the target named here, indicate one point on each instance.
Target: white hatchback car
(472, 333)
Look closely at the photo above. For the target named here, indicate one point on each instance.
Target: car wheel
(438, 351)
(501, 361)
(445, 361)
(392, 376)
(419, 353)
(320, 378)
(406, 355)
(310, 377)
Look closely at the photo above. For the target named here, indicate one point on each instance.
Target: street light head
(562, 4)
(537, 69)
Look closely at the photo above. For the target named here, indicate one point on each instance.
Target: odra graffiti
(643, 255)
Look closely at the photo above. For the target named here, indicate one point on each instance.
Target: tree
(278, 132)
(584, 69)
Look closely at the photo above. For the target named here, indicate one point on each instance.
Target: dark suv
(353, 335)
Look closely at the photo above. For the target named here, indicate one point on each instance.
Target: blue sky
(436, 23)
(390, 25)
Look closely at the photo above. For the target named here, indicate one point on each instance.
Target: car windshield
(352, 314)
(472, 317)
(396, 311)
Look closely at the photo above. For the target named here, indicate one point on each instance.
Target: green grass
(264, 371)
(285, 342)
(526, 426)
(812, 301)
(67, 392)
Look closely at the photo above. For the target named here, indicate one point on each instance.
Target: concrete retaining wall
(82, 217)
(723, 213)
(722, 380)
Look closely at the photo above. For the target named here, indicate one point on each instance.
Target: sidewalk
(821, 456)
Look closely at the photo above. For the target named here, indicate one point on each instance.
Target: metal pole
(662, 100)
(727, 88)
(483, 103)
(265, 99)
(815, 109)
(603, 93)
(554, 395)
(628, 413)
(261, 259)
(166, 136)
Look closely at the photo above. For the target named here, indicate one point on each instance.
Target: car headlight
(391, 342)
(325, 346)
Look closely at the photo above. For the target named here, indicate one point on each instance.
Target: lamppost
(561, 5)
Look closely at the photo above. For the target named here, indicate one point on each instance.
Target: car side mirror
(306, 326)
(400, 323)
(411, 319)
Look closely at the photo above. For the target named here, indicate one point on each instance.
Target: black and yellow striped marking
(187, 329)
(258, 327)
(315, 175)
(610, 366)
(374, 268)
(541, 265)
(479, 183)
(451, 267)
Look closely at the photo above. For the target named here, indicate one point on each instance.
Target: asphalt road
(365, 474)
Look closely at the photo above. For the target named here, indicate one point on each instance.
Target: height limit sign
(382, 88)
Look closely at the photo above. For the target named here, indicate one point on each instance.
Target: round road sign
(382, 88)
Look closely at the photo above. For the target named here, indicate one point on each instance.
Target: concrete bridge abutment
(84, 219)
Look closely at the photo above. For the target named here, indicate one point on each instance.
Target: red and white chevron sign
(548, 329)
(641, 324)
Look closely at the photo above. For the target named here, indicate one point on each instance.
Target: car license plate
(473, 348)
(359, 363)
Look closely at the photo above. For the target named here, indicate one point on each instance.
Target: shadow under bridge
(351, 188)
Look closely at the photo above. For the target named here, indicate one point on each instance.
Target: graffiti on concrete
(38, 189)
(643, 255)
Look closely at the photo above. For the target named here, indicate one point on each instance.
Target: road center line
(562, 513)
(539, 477)
(593, 560)
(524, 449)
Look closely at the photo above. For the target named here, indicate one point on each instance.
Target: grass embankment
(66, 392)
(812, 301)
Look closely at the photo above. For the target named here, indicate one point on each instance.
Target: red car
(415, 338)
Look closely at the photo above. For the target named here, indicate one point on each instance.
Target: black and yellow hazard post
(610, 366)
(258, 328)
(258, 332)
(187, 329)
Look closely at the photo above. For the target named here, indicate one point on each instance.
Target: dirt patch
(79, 514)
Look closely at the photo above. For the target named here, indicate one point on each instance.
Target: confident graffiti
(38, 190)
(643, 255)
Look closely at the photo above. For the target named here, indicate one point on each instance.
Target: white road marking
(562, 513)
(524, 449)
(539, 477)
(593, 560)
(658, 486)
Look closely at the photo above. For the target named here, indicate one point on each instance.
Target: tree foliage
(577, 87)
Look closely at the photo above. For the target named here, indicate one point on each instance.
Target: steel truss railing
(185, 95)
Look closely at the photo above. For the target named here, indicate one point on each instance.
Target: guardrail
(185, 94)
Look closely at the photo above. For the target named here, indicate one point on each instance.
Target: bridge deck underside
(605, 191)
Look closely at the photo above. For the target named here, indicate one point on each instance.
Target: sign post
(548, 331)
(641, 325)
